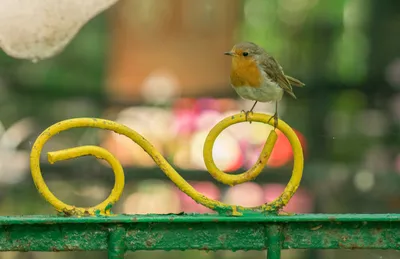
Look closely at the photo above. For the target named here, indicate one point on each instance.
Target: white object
(39, 29)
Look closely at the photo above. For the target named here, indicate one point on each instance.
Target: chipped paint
(193, 231)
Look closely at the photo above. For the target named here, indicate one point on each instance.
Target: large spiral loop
(104, 208)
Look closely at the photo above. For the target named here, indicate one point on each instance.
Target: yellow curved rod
(100, 153)
(104, 208)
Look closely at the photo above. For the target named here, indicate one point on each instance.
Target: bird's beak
(230, 53)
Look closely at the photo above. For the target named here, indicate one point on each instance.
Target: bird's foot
(275, 116)
(246, 114)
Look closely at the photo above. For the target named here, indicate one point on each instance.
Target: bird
(256, 75)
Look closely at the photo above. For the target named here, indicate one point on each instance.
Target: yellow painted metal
(100, 153)
(104, 208)
(253, 172)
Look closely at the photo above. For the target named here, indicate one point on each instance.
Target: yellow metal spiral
(104, 208)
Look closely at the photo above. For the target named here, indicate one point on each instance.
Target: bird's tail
(294, 81)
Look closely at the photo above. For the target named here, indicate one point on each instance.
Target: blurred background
(158, 67)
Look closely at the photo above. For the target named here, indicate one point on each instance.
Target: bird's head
(245, 52)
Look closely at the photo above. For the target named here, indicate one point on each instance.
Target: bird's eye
(245, 54)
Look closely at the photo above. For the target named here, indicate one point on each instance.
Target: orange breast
(245, 72)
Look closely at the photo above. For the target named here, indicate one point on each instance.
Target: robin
(256, 75)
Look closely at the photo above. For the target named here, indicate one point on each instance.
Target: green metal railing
(264, 227)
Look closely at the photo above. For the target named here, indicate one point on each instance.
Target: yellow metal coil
(104, 208)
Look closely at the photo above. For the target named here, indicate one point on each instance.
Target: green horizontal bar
(204, 232)
(195, 218)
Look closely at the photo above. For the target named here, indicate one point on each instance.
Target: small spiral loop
(100, 153)
(104, 208)
(250, 174)
(262, 160)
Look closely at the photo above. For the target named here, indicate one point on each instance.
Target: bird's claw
(275, 116)
(246, 114)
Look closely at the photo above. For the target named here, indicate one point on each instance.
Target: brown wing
(275, 72)
(294, 82)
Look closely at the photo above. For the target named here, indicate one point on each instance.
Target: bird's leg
(275, 116)
(251, 110)
(254, 105)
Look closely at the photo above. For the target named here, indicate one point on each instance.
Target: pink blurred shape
(301, 202)
(397, 163)
(246, 194)
(282, 152)
(188, 205)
